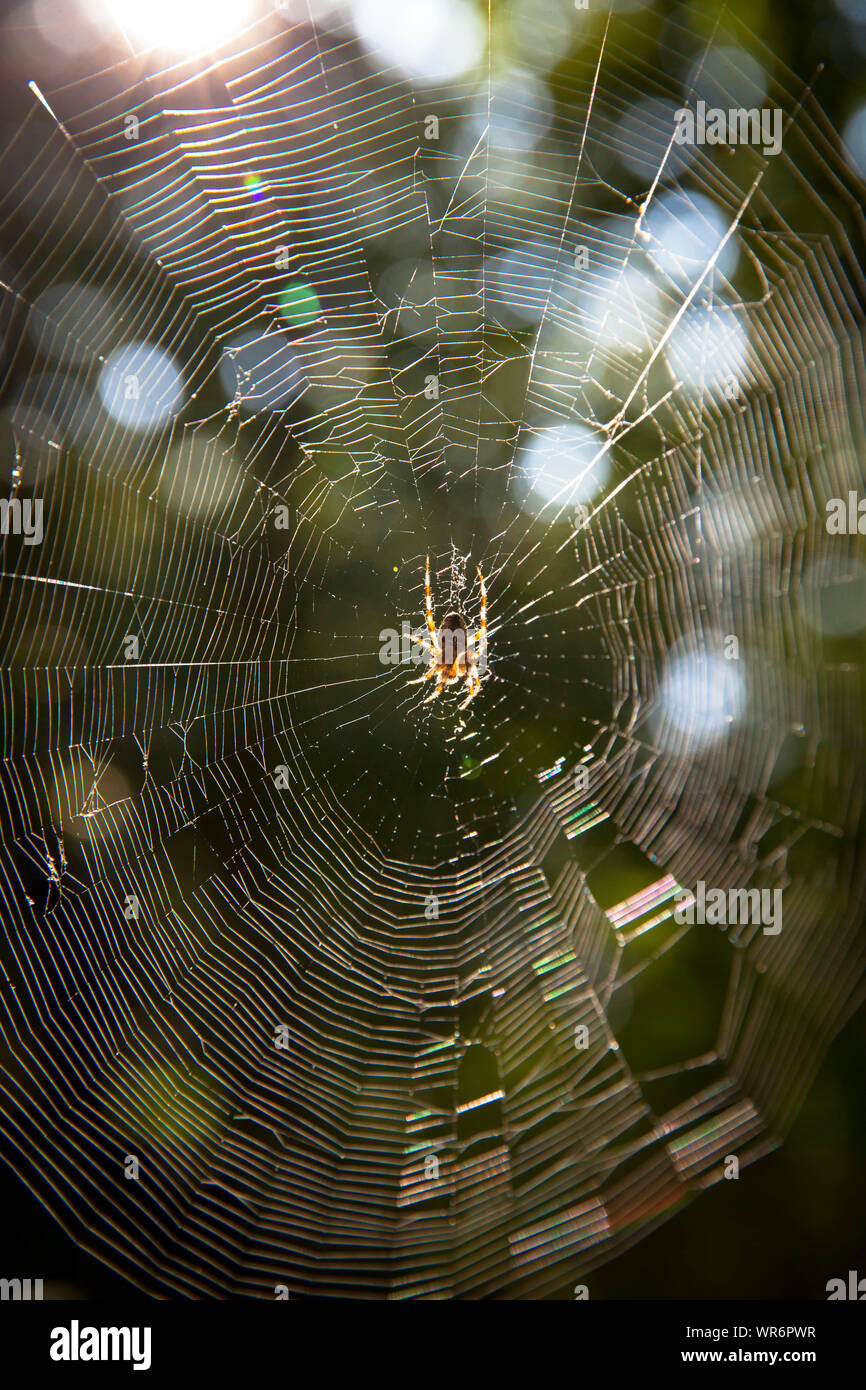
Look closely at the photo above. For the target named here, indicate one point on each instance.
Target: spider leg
(433, 649)
(438, 691)
(473, 682)
(431, 671)
(481, 634)
(428, 601)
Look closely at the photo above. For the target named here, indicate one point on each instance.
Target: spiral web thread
(414, 1035)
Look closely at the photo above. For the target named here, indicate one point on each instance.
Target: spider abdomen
(453, 641)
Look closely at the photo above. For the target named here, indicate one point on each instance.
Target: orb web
(386, 999)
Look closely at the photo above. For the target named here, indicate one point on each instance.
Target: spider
(453, 653)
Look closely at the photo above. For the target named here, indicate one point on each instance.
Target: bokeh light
(727, 76)
(519, 115)
(854, 139)
(544, 28)
(430, 41)
(621, 306)
(65, 25)
(180, 26)
(141, 386)
(685, 230)
(701, 696)
(299, 304)
(708, 351)
(260, 372)
(643, 137)
(561, 465)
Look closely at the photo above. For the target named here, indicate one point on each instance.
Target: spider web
(313, 951)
